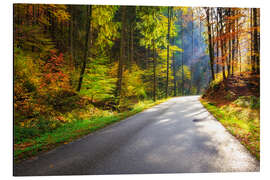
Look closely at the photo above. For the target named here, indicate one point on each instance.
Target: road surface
(178, 136)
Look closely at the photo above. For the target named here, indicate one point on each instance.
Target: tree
(210, 48)
(168, 50)
(86, 46)
(122, 55)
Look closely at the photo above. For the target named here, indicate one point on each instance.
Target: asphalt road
(178, 136)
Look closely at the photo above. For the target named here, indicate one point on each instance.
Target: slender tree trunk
(131, 44)
(174, 71)
(238, 47)
(233, 44)
(240, 63)
(154, 71)
(255, 42)
(211, 55)
(230, 47)
(70, 41)
(258, 40)
(217, 45)
(182, 40)
(192, 54)
(168, 52)
(222, 43)
(252, 41)
(71, 35)
(86, 46)
(127, 49)
(122, 55)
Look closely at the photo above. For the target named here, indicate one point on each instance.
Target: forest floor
(28, 147)
(235, 102)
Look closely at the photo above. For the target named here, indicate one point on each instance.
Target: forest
(78, 68)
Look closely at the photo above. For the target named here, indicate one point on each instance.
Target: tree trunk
(222, 43)
(122, 56)
(255, 42)
(252, 41)
(174, 72)
(154, 71)
(131, 44)
(182, 39)
(217, 45)
(233, 44)
(88, 28)
(238, 48)
(211, 55)
(168, 52)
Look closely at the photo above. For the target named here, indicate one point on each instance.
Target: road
(178, 136)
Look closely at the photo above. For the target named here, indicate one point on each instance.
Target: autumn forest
(78, 68)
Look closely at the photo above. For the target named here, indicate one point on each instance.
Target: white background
(6, 85)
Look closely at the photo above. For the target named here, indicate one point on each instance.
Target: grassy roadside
(241, 122)
(70, 131)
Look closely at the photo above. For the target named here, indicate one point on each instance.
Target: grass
(241, 122)
(29, 147)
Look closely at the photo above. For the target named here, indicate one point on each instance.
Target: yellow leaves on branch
(59, 11)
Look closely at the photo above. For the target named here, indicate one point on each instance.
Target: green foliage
(215, 85)
(133, 84)
(98, 84)
(105, 26)
(26, 83)
(187, 73)
(152, 27)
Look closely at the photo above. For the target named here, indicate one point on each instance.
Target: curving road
(178, 136)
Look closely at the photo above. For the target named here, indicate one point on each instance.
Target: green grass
(241, 122)
(29, 147)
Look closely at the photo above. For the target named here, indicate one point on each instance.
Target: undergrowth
(242, 119)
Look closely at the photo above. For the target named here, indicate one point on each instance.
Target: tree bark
(174, 71)
(154, 71)
(86, 46)
(168, 52)
(182, 39)
(122, 56)
(210, 44)
(222, 42)
(255, 42)
(217, 45)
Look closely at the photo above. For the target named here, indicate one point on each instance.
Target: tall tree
(211, 55)
(122, 55)
(86, 46)
(255, 43)
(168, 51)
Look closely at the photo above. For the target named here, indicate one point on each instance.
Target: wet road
(178, 136)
